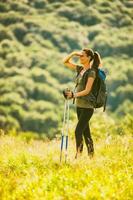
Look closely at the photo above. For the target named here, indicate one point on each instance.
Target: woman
(84, 108)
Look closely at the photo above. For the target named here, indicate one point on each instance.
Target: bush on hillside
(89, 2)
(17, 112)
(19, 31)
(122, 94)
(10, 18)
(7, 48)
(9, 98)
(41, 106)
(6, 87)
(93, 34)
(36, 122)
(28, 39)
(55, 39)
(22, 81)
(53, 1)
(119, 17)
(124, 108)
(2, 72)
(19, 7)
(4, 7)
(45, 92)
(20, 60)
(62, 74)
(4, 110)
(102, 46)
(42, 76)
(40, 4)
(14, 71)
(5, 34)
(91, 17)
(8, 123)
(71, 43)
(105, 8)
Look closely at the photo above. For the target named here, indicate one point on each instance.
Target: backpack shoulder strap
(86, 75)
(79, 68)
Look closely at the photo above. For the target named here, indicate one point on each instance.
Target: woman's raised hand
(76, 53)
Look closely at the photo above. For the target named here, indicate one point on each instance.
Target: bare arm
(87, 88)
(83, 92)
(67, 61)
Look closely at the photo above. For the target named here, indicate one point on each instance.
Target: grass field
(32, 170)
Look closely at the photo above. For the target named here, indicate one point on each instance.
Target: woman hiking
(90, 61)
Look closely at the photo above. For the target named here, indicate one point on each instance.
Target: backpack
(98, 94)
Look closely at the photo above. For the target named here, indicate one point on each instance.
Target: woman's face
(83, 57)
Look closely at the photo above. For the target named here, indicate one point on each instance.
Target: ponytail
(96, 61)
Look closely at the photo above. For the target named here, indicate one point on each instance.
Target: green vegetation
(35, 36)
(30, 169)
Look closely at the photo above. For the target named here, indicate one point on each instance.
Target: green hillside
(35, 36)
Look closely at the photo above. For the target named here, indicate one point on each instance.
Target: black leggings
(83, 129)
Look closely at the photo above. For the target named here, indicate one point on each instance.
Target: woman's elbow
(87, 92)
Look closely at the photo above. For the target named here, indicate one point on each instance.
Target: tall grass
(33, 172)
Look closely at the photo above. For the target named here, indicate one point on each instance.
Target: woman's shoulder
(92, 73)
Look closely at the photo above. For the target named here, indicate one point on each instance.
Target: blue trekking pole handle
(66, 148)
(66, 142)
(62, 139)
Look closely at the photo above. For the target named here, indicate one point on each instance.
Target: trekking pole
(65, 128)
(62, 134)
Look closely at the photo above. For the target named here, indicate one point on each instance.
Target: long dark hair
(96, 61)
(89, 52)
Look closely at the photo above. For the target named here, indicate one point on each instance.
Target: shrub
(28, 39)
(63, 75)
(102, 46)
(10, 98)
(10, 18)
(72, 42)
(6, 87)
(21, 81)
(43, 76)
(4, 7)
(8, 123)
(52, 1)
(93, 34)
(41, 106)
(91, 17)
(5, 34)
(45, 92)
(13, 71)
(89, 2)
(36, 122)
(19, 31)
(2, 72)
(124, 108)
(18, 59)
(123, 93)
(40, 4)
(20, 7)
(4, 110)
(17, 112)
(8, 47)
